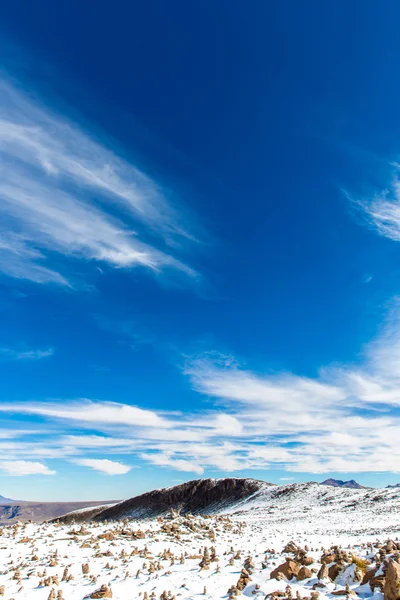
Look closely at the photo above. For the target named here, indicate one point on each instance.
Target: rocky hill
(201, 496)
(298, 506)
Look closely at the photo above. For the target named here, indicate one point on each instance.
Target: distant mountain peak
(351, 483)
(4, 500)
(395, 485)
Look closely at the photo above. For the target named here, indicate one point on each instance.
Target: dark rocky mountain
(201, 496)
(351, 484)
(4, 500)
(396, 485)
(11, 512)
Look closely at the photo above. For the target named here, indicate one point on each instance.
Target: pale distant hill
(13, 511)
(350, 484)
(4, 500)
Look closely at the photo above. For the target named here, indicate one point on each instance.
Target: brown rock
(368, 575)
(334, 570)
(243, 580)
(289, 569)
(103, 592)
(391, 590)
(323, 573)
(304, 573)
(291, 547)
(374, 580)
(328, 558)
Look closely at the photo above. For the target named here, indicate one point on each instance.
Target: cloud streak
(109, 467)
(383, 211)
(18, 468)
(346, 419)
(65, 195)
(11, 354)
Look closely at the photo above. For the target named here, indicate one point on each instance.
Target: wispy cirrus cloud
(64, 194)
(12, 354)
(381, 209)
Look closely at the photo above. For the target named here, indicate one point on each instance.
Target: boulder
(103, 592)
(328, 558)
(335, 569)
(368, 575)
(291, 547)
(323, 573)
(304, 573)
(288, 569)
(391, 590)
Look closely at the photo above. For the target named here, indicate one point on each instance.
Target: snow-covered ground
(304, 508)
(144, 559)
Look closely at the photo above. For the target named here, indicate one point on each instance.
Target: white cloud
(24, 467)
(91, 412)
(164, 459)
(346, 419)
(96, 441)
(383, 211)
(103, 465)
(60, 190)
(25, 354)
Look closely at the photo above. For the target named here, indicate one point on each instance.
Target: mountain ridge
(14, 511)
(350, 484)
(255, 499)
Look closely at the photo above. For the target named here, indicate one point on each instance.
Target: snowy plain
(148, 558)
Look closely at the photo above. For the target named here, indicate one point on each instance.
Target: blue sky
(199, 244)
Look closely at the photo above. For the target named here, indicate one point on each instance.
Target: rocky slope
(326, 510)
